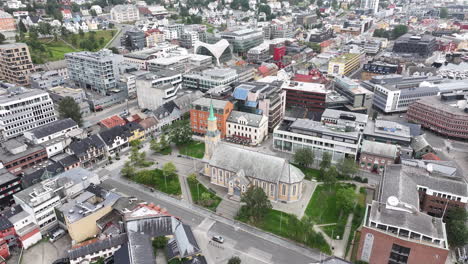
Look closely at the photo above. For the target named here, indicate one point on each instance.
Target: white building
(63, 127)
(248, 126)
(156, 88)
(351, 120)
(26, 229)
(370, 4)
(99, 249)
(97, 9)
(124, 13)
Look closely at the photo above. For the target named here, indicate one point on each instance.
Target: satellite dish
(393, 201)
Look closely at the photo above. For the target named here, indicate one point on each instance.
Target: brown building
(199, 113)
(7, 22)
(15, 63)
(17, 155)
(376, 155)
(401, 226)
(446, 115)
(311, 96)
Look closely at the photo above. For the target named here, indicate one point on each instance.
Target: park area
(156, 179)
(195, 149)
(201, 195)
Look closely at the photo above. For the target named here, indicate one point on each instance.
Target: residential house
(27, 232)
(376, 155)
(95, 249)
(115, 138)
(88, 150)
(135, 130)
(149, 126)
(420, 146)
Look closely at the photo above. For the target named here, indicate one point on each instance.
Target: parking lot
(43, 252)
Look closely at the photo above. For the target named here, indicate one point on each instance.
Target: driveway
(46, 252)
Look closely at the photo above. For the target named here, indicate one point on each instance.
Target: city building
(155, 88)
(200, 110)
(96, 71)
(345, 64)
(387, 132)
(311, 96)
(88, 150)
(372, 69)
(320, 35)
(445, 114)
(248, 127)
(188, 39)
(360, 99)
(124, 13)
(370, 5)
(209, 78)
(90, 251)
(18, 154)
(175, 109)
(46, 80)
(15, 63)
(277, 29)
(305, 19)
(27, 232)
(420, 146)
(9, 185)
(422, 46)
(7, 22)
(376, 155)
(405, 224)
(53, 130)
(243, 40)
(23, 109)
(340, 142)
(116, 139)
(352, 120)
(133, 40)
(244, 168)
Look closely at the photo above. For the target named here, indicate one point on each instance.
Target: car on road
(218, 239)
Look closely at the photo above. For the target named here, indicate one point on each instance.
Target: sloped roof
(379, 149)
(54, 127)
(97, 246)
(113, 121)
(80, 147)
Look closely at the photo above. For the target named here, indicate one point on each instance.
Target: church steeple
(212, 136)
(212, 117)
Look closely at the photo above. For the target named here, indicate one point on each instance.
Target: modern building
(247, 127)
(320, 35)
(278, 29)
(345, 64)
(124, 13)
(352, 120)
(422, 46)
(188, 39)
(27, 232)
(243, 40)
(46, 80)
(405, 224)
(7, 22)
(15, 63)
(340, 142)
(446, 114)
(242, 168)
(133, 40)
(209, 78)
(155, 88)
(370, 5)
(376, 155)
(311, 96)
(387, 132)
(306, 19)
(96, 71)
(372, 69)
(200, 110)
(18, 154)
(9, 185)
(360, 99)
(23, 109)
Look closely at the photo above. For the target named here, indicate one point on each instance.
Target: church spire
(212, 117)
(212, 136)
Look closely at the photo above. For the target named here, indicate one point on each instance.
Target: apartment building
(96, 71)
(387, 132)
(422, 46)
(248, 127)
(199, 113)
(46, 80)
(15, 63)
(133, 40)
(124, 13)
(338, 141)
(372, 69)
(23, 109)
(345, 64)
(243, 40)
(446, 114)
(311, 96)
(9, 184)
(155, 88)
(210, 78)
(7, 22)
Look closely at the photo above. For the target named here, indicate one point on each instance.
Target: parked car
(55, 235)
(218, 239)
(62, 261)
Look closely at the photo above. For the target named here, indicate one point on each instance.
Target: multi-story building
(18, 154)
(24, 109)
(338, 141)
(53, 130)
(209, 78)
(352, 120)
(46, 80)
(306, 19)
(372, 69)
(387, 132)
(311, 96)
(405, 224)
(320, 35)
(124, 13)
(79, 96)
(199, 114)
(422, 46)
(188, 39)
(133, 40)
(15, 63)
(243, 40)
(370, 5)
(345, 64)
(156, 88)
(360, 99)
(446, 114)
(9, 185)
(88, 150)
(97, 71)
(7, 22)
(277, 29)
(248, 127)
(376, 155)
(27, 233)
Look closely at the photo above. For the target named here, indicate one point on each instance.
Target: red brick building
(199, 113)
(17, 155)
(311, 96)
(376, 155)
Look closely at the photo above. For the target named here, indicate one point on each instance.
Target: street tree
(2, 38)
(443, 12)
(128, 171)
(22, 27)
(169, 169)
(347, 167)
(68, 108)
(326, 161)
(345, 199)
(457, 229)
(234, 260)
(304, 157)
(180, 132)
(256, 203)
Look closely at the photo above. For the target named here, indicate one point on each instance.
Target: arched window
(283, 189)
(272, 189)
(243, 188)
(294, 190)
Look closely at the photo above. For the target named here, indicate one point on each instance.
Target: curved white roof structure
(217, 49)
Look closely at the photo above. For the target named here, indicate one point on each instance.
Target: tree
(114, 50)
(304, 157)
(2, 38)
(375, 115)
(75, 7)
(457, 230)
(347, 167)
(345, 199)
(128, 171)
(265, 9)
(81, 32)
(169, 169)
(330, 176)
(326, 161)
(443, 12)
(93, 13)
(234, 260)
(159, 242)
(22, 27)
(399, 31)
(335, 5)
(68, 108)
(180, 132)
(192, 178)
(256, 203)
(320, 3)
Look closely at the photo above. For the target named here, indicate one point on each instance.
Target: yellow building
(80, 214)
(345, 64)
(136, 130)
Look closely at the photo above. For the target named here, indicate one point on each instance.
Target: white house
(26, 229)
(97, 9)
(247, 126)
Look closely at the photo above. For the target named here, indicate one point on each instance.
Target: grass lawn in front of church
(310, 173)
(155, 179)
(202, 196)
(194, 149)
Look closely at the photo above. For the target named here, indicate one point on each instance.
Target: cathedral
(237, 169)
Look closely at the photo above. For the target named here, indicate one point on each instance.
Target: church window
(272, 189)
(231, 184)
(243, 188)
(294, 190)
(283, 189)
(213, 172)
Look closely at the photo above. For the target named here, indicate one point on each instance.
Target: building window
(399, 254)
(294, 190)
(283, 190)
(243, 188)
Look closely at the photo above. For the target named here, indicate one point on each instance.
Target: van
(56, 235)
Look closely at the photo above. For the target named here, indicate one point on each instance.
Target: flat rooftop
(305, 87)
(311, 127)
(348, 116)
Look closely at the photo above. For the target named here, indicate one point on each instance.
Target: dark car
(62, 261)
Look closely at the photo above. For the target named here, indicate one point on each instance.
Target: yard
(359, 212)
(194, 149)
(155, 179)
(202, 196)
(309, 173)
(323, 209)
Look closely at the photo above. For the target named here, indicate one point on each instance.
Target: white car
(218, 239)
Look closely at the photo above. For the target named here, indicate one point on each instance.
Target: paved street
(117, 109)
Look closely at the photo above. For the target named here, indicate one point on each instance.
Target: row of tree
(395, 33)
(178, 133)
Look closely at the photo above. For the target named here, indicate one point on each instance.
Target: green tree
(443, 12)
(345, 199)
(265, 9)
(2, 38)
(114, 49)
(234, 260)
(457, 229)
(347, 167)
(75, 7)
(81, 32)
(180, 132)
(326, 161)
(22, 27)
(304, 157)
(135, 143)
(192, 178)
(169, 169)
(399, 31)
(320, 3)
(330, 176)
(256, 202)
(128, 171)
(68, 108)
(159, 242)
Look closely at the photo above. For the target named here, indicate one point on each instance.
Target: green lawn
(197, 190)
(309, 173)
(194, 149)
(278, 223)
(358, 218)
(322, 208)
(166, 151)
(155, 178)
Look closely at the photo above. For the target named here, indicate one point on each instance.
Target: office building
(360, 99)
(372, 69)
(209, 78)
(124, 13)
(46, 80)
(23, 109)
(220, 51)
(18, 154)
(354, 121)
(387, 132)
(320, 35)
(247, 127)
(188, 39)
(376, 155)
(133, 40)
(345, 64)
(156, 88)
(422, 46)
(243, 40)
(278, 29)
(96, 71)
(447, 114)
(15, 63)
(339, 141)
(7, 22)
(311, 96)
(306, 19)
(9, 185)
(370, 5)
(199, 115)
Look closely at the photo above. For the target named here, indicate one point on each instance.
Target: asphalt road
(116, 41)
(117, 109)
